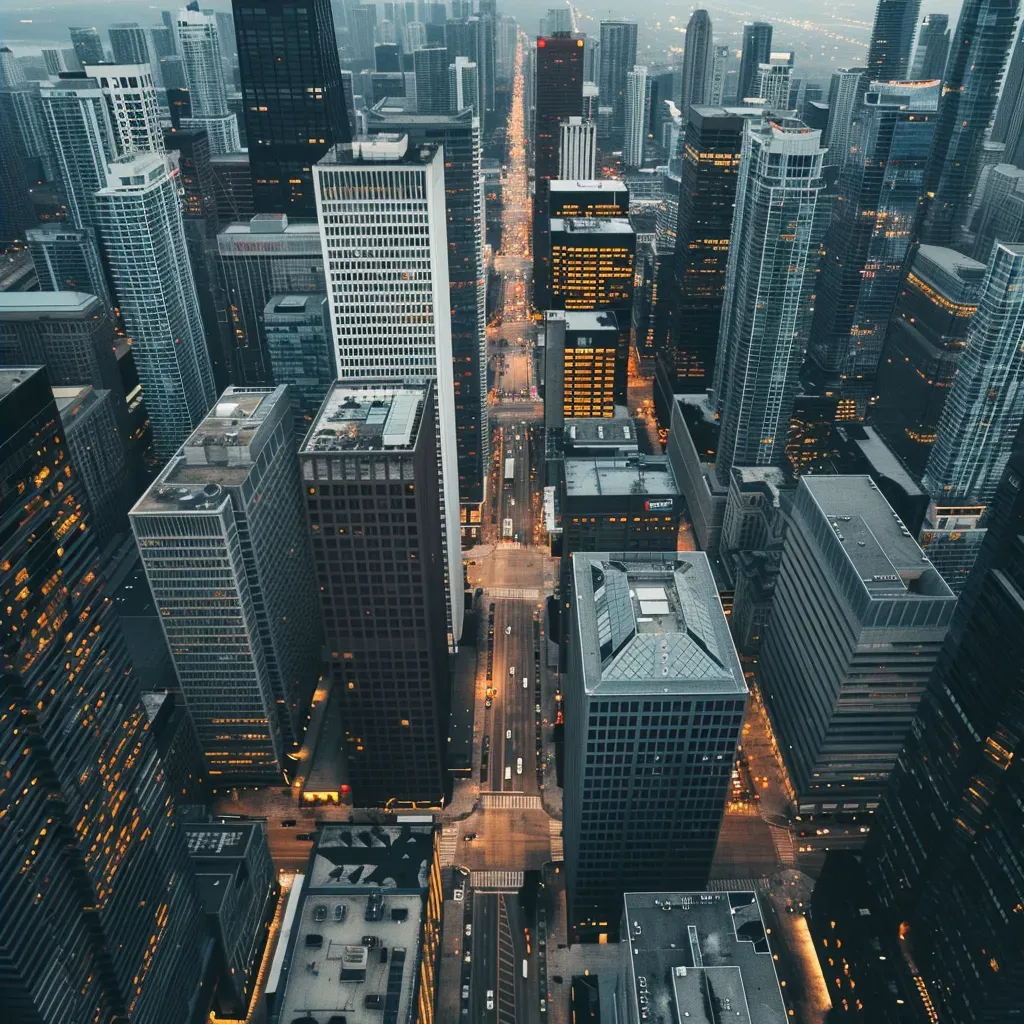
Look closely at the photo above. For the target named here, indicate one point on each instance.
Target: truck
(510, 468)
(506, 528)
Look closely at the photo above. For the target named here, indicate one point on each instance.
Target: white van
(508, 772)
(519, 766)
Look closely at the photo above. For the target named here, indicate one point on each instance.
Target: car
(465, 991)
(508, 631)
(526, 683)
(519, 766)
(511, 670)
(340, 912)
(488, 702)
(537, 709)
(508, 734)
(490, 999)
(306, 836)
(288, 823)
(320, 913)
(469, 837)
(508, 773)
(469, 930)
(513, 502)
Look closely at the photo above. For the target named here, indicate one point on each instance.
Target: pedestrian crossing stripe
(497, 881)
(510, 802)
(513, 593)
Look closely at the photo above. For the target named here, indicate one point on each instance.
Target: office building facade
(292, 95)
(844, 94)
(698, 64)
(388, 292)
(130, 92)
(616, 58)
(764, 314)
(92, 929)
(144, 241)
(857, 623)
(654, 707)
(201, 50)
(585, 366)
(430, 67)
(757, 46)
(68, 259)
(932, 48)
(390, 668)
(225, 550)
(634, 139)
(87, 44)
(892, 38)
(129, 43)
(577, 149)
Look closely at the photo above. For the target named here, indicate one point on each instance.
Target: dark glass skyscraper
(943, 857)
(617, 57)
(932, 48)
(983, 37)
(1008, 126)
(757, 47)
(697, 63)
(892, 38)
(292, 97)
(558, 92)
(100, 920)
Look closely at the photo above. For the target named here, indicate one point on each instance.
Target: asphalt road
(484, 964)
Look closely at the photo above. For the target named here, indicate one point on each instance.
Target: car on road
(469, 930)
(508, 773)
(488, 702)
(465, 991)
(511, 670)
(490, 999)
(519, 766)
(508, 631)
(288, 823)
(469, 837)
(508, 734)
(320, 913)
(526, 683)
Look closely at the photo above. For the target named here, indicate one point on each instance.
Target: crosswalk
(557, 842)
(497, 881)
(737, 884)
(510, 802)
(513, 593)
(449, 845)
(783, 840)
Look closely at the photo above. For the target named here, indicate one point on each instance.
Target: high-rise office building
(22, 112)
(415, 36)
(932, 48)
(927, 336)
(301, 351)
(577, 150)
(390, 267)
(88, 45)
(430, 66)
(558, 92)
(871, 230)
(202, 50)
(144, 242)
(387, 57)
(292, 95)
(634, 140)
(459, 136)
(940, 861)
(617, 58)
(592, 262)
(652, 664)
(757, 47)
(68, 259)
(984, 33)
(985, 407)
(773, 81)
(1008, 124)
(389, 668)
(266, 256)
(54, 60)
(857, 623)
(128, 43)
(362, 25)
(584, 366)
(101, 920)
(698, 63)
(226, 552)
(130, 92)
(844, 93)
(892, 38)
(16, 212)
(719, 66)
(772, 258)
(464, 85)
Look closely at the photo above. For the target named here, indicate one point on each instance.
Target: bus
(506, 528)
(510, 468)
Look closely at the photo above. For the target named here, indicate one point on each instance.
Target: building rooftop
(701, 958)
(881, 458)
(383, 148)
(219, 453)
(652, 622)
(882, 551)
(589, 184)
(373, 417)
(216, 840)
(609, 475)
(76, 401)
(295, 304)
(592, 225)
(380, 856)
(584, 320)
(949, 261)
(601, 432)
(771, 477)
(15, 306)
(12, 376)
(269, 234)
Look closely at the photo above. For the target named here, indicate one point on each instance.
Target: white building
(774, 80)
(636, 118)
(381, 207)
(577, 151)
(130, 92)
(202, 56)
(464, 85)
(843, 94)
(719, 66)
(144, 241)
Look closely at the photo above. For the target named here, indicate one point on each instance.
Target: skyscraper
(617, 59)
(858, 619)
(844, 93)
(389, 267)
(634, 142)
(464, 85)
(719, 64)
(983, 412)
(772, 256)
(757, 46)
(870, 233)
(940, 861)
(88, 45)
(577, 150)
(201, 51)
(1008, 125)
(130, 93)
(68, 259)
(430, 65)
(292, 96)
(558, 92)
(773, 81)
(932, 48)
(592, 262)
(119, 921)
(984, 34)
(144, 241)
(361, 26)
(892, 38)
(651, 663)
(698, 63)
(390, 668)
(128, 43)
(227, 557)
(459, 135)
